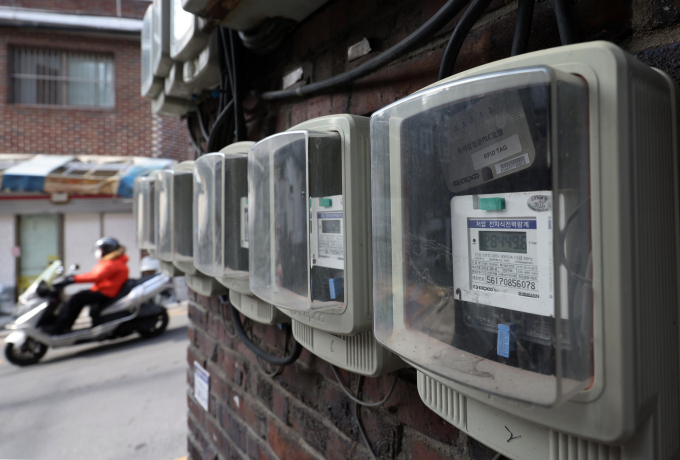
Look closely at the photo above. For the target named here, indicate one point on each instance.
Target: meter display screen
(503, 241)
(331, 226)
(475, 182)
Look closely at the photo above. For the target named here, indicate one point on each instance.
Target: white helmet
(149, 264)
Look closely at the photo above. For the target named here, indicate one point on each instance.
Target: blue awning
(79, 175)
(29, 176)
(143, 167)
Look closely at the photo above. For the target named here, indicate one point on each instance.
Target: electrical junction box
(160, 45)
(173, 214)
(203, 71)
(171, 106)
(152, 86)
(309, 238)
(186, 38)
(175, 86)
(250, 14)
(525, 227)
(144, 204)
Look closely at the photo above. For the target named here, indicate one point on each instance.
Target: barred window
(50, 77)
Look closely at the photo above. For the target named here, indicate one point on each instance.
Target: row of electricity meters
(179, 47)
(502, 231)
(178, 59)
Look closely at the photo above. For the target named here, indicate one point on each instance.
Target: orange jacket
(109, 275)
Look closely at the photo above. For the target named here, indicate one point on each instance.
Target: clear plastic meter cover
(183, 242)
(164, 215)
(220, 187)
(146, 47)
(481, 233)
(148, 212)
(296, 220)
(138, 210)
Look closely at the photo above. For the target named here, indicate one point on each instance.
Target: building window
(50, 77)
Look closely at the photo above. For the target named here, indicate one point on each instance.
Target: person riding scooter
(108, 276)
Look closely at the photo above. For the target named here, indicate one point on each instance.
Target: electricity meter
(212, 233)
(173, 214)
(160, 45)
(151, 85)
(309, 227)
(171, 106)
(525, 227)
(222, 229)
(203, 71)
(186, 38)
(174, 83)
(145, 211)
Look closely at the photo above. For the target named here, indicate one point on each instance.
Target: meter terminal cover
(604, 178)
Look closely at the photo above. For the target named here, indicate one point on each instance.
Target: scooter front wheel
(29, 353)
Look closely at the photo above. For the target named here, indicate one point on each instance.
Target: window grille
(51, 77)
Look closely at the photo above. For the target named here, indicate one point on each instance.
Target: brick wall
(129, 8)
(302, 413)
(171, 139)
(127, 129)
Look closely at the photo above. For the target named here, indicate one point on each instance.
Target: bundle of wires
(229, 123)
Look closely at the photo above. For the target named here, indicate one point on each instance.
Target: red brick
(284, 446)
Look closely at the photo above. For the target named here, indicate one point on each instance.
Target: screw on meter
(485, 139)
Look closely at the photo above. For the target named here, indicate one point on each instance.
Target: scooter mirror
(74, 267)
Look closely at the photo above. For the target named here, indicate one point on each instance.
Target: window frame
(62, 80)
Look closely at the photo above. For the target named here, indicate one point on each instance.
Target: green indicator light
(325, 202)
(491, 204)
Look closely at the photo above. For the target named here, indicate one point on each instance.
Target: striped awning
(75, 175)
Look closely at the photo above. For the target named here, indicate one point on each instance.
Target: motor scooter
(134, 309)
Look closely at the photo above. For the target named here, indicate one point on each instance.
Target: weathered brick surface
(127, 129)
(302, 413)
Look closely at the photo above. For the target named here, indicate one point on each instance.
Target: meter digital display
(503, 241)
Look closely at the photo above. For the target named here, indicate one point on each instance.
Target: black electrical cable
(360, 402)
(222, 119)
(192, 137)
(239, 119)
(445, 14)
(227, 58)
(565, 22)
(460, 33)
(201, 125)
(271, 359)
(525, 13)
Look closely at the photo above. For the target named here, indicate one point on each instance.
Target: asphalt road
(123, 399)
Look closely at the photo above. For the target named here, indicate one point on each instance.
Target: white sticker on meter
(327, 232)
(488, 131)
(503, 257)
(244, 222)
